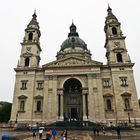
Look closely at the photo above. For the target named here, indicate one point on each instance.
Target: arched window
(114, 31)
(38, 106)
(27, 60)
(30, 36)
(108, 103)
(119, 57)
(127, 104)
(22, 105)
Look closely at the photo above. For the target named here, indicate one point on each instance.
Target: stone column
(61, 118)
(61, 107)
(85, 118)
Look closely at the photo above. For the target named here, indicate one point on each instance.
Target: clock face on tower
(117, 44)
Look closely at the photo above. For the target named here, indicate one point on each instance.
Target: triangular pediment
(126, 94)
(38, 97)
(72, 61)
(107, 95)
(22, 97)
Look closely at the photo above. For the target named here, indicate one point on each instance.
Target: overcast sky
(55, 17)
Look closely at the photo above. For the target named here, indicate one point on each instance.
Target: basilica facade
(74, 86)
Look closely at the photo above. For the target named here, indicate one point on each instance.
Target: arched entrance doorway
(72, 100)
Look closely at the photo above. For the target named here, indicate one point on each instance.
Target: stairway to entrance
(72, 125)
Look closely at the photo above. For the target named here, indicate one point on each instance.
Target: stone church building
(74, 86)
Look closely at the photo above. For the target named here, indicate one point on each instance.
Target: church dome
(73, 40)
(73, 46)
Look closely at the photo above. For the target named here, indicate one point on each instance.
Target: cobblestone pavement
(79, 135)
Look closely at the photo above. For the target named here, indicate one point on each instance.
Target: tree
(5, 112)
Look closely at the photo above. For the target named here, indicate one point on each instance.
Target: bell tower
(116, 51)
(30, 52)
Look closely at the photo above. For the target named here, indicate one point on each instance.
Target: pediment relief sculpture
(73, 61)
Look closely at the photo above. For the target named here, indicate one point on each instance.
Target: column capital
(60, 91)
(84, 91)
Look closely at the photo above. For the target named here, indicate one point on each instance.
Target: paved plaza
(78, 135)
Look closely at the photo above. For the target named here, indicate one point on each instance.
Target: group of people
(97, 129)
(34, 131)
(50, 135)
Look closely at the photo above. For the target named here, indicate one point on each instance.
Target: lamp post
(16, 117)
(129, 120)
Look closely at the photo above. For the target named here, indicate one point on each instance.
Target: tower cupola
(30, 53)
(116, 52)
(112, 26)
(110, 16)
(32, 32)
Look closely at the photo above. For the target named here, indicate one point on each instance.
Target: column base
(85, 118)
(61, 118)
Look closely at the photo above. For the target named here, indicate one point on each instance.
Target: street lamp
(129, 120)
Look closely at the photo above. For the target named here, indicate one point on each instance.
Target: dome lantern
(73, 31)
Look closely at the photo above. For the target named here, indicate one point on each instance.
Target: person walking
(64, 135)
(118, 133)
(97, 130)
(53, 133)
(94, 131)
(34, 134)
(103, 128)
(40, 133)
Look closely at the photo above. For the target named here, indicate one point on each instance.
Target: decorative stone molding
(27, 54)
(107, 95)
(128, 109)
(38, 97)
(50, 89)
(50, 77)
(22, 97)
(126, 94)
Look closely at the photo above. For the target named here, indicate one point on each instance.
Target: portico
(72, 101)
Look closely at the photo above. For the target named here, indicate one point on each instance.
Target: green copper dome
(73, 40)
(73, 46)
